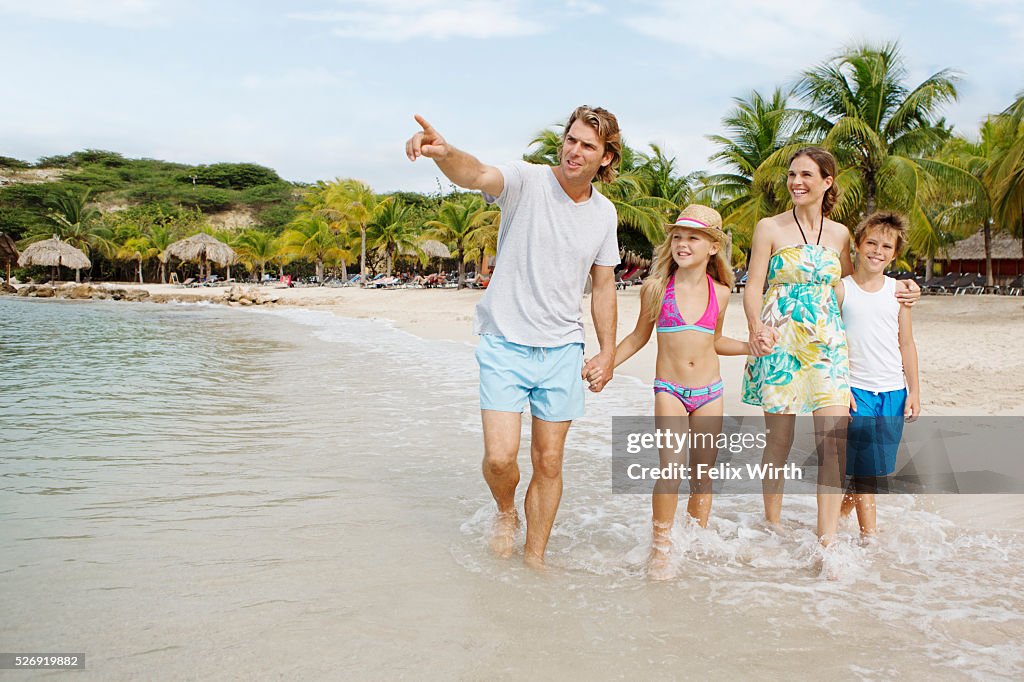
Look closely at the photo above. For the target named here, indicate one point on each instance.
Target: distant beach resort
(243, 418)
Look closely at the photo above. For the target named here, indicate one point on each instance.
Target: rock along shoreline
(236, 295)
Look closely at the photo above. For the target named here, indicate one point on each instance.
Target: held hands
(428, 142)
(907, 292)
(913, 408)
(598, 371)
(762, 340)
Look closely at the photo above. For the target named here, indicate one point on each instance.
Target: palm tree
(68, 208)
(645, 192)
(162, 236)
(138, 249)
(635, 208)
(979, 159)
(662, 179)
(317, 201)
(257, 248)
(548, 143)
(457, 224)
(310, 236)
(880, 129)
(391, 231)
(352, 202)
(77, 223)
(1006, 176)
(756, 128)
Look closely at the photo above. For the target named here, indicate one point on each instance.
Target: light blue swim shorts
(549, 378)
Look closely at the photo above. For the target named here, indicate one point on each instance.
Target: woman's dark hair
(827, 166)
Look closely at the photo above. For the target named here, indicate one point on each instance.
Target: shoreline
(971, 349)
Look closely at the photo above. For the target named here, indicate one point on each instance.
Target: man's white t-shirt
(547, 244)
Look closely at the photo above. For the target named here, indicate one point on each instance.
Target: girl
(685, 296)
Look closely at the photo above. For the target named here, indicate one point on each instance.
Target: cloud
(400, 20)
(116, 13)
(584, 7)
(764, 33)
(296, 79)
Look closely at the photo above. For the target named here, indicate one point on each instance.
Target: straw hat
(704, 218)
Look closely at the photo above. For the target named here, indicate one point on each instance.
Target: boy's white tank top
(873, 336)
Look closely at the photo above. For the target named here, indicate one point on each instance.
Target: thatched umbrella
(435, 249)
(55, 253)
(8, 253)
(202, 247)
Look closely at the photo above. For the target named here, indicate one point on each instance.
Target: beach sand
(971, 352)
(971, 347)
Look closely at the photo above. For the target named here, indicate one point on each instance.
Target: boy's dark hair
(884, 220)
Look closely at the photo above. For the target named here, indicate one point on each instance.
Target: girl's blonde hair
(664, 267)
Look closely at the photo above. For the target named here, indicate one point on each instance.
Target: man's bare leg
(545, 491)
(501, 471)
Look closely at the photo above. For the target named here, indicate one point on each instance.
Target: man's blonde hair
(607, 128)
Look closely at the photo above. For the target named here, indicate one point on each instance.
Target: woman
(802, 255)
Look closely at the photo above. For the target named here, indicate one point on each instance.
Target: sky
(318, 89)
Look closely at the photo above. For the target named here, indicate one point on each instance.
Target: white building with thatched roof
(968, 255)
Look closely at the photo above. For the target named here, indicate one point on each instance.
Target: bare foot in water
(503, 533)
(659, 566)
(828, 563)
(535, 562)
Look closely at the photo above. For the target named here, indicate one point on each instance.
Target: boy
(884, 384)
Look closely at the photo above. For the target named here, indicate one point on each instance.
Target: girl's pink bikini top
(669, 320)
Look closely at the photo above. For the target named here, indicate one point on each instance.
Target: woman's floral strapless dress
(809, 367)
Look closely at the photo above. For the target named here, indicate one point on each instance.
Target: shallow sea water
(204, 492)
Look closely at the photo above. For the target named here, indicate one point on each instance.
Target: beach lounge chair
(938, 286)
(1014, 288)
(740, 279)
(962, 283)
(637, 277)
(627, 277)
(973, 283)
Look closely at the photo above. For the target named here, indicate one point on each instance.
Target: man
(555, 230)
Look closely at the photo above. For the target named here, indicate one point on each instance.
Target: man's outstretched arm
(465, 170)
